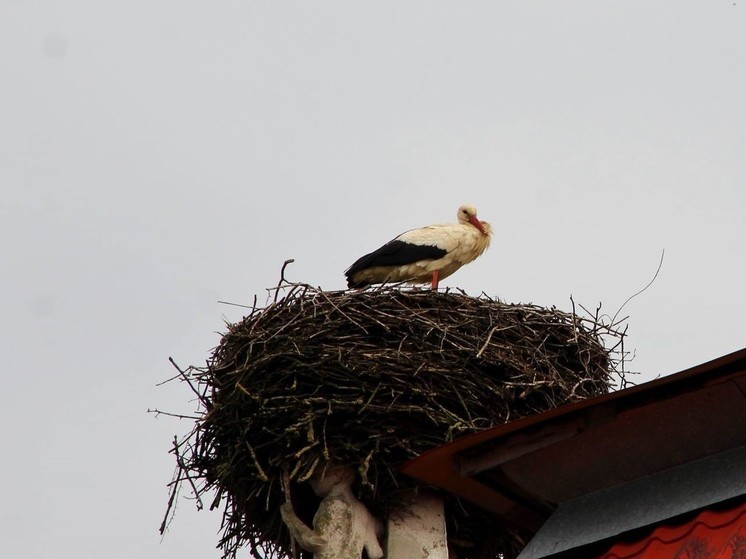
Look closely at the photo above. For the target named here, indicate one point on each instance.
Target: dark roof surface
(522, 470)
(604, 515)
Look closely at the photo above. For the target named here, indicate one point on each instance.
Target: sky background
(159, 157)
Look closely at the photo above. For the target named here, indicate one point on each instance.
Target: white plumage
(424, 255)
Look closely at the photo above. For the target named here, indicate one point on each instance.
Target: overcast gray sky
(156, 157)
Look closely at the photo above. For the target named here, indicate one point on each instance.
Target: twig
(184, 471)
(489, 337)
(660, 264)
(158, 412)
(171, 498)
(185, 376)
(288, 499)
(282, 276)
(235, 305)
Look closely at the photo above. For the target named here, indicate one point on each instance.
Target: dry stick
(489, 337)
(158, 412)
(185, 376)
(236, 305)
(185, 472)
(282, 277)
(182, 473)
(355, 322)
(171, 498)
(288, 499)
(660, 264)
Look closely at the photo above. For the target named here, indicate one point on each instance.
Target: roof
(598, 519)
(722, 532)
(524, 469)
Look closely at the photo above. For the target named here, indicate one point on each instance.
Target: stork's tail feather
(353, 284)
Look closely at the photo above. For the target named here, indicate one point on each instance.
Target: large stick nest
(372, 379)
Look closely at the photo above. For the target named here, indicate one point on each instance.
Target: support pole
(418, 530)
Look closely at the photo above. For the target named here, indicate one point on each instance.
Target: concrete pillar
(418, 530)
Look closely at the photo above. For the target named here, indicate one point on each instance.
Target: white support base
(418, 531)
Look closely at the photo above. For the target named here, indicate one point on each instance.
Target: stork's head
(468, 214)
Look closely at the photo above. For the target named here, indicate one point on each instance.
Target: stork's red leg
(435, 279)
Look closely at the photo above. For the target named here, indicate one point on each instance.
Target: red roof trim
(718, 534)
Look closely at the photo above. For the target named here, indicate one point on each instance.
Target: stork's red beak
(476, 223)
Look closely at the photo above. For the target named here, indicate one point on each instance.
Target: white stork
(425, 255)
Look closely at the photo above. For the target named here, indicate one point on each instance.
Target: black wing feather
(394, 253)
